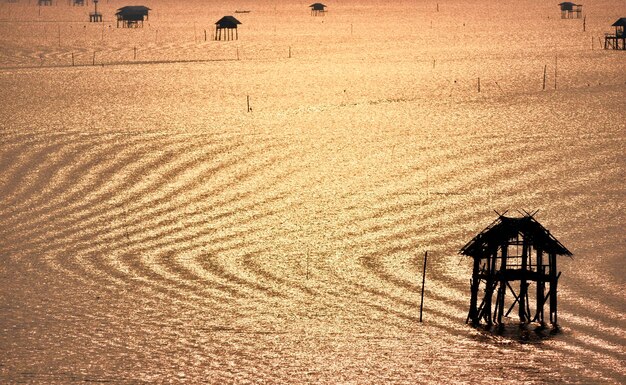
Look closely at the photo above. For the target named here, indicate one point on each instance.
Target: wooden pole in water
(237, 53)
(59, 35)
(423, 283)
(479, 84)
(205, 35)
(290, 52)
(545, 68)
(93, 60)
(585, 23)
(556, 66)
(307, 265)
(248, 101)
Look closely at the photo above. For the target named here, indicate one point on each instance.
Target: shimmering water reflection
(152, 230)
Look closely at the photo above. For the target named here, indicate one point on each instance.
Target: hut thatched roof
(317, 6)
(503, 229)
(621, 22)
(567, 6)
(133, 10)
(227, 22)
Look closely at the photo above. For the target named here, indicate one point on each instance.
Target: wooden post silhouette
(423, 284)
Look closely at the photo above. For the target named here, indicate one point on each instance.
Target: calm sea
(175, 210)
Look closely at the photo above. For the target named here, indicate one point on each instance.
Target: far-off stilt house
(571, 10)
(509, 250)
(95, 16)
(226, 27)
(131, 16)
(44, 2)
(78, 2)
(317, 9)
(617, 40)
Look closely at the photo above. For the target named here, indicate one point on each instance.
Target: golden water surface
(153, 230)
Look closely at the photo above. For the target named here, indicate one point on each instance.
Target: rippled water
(152, 230)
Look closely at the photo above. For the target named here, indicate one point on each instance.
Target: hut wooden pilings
(509, 250)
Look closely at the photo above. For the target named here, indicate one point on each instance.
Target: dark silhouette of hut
(618, 40)
(508, 250)
(95, 16)
(228, 25)
(131, 16)
(569, 10)
(44, 2)
(317, 9)
(78, 2)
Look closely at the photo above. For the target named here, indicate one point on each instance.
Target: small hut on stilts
(132, 16)
(617, 40)
(95, 16)
(570, 10)
(226, 27)
(509, 250)
(317, 9)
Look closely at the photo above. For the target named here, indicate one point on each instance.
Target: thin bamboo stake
(556, 66)
(423, 284)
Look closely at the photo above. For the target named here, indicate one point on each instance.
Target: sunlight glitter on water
(153, 230)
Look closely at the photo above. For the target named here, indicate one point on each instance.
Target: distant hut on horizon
(44, 2)
(78, 2)
(513, 249)
(95, 16)
(131, 15)
(227, 25)
(568, 10)
(317, 9)
(617, 40)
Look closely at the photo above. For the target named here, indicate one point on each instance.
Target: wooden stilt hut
(226, 28)
(509, 250)
(317, 9)
(78, 2)
(617, 40)
(570, 10)
(132, 16)
(95, 16)
(44, 2)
